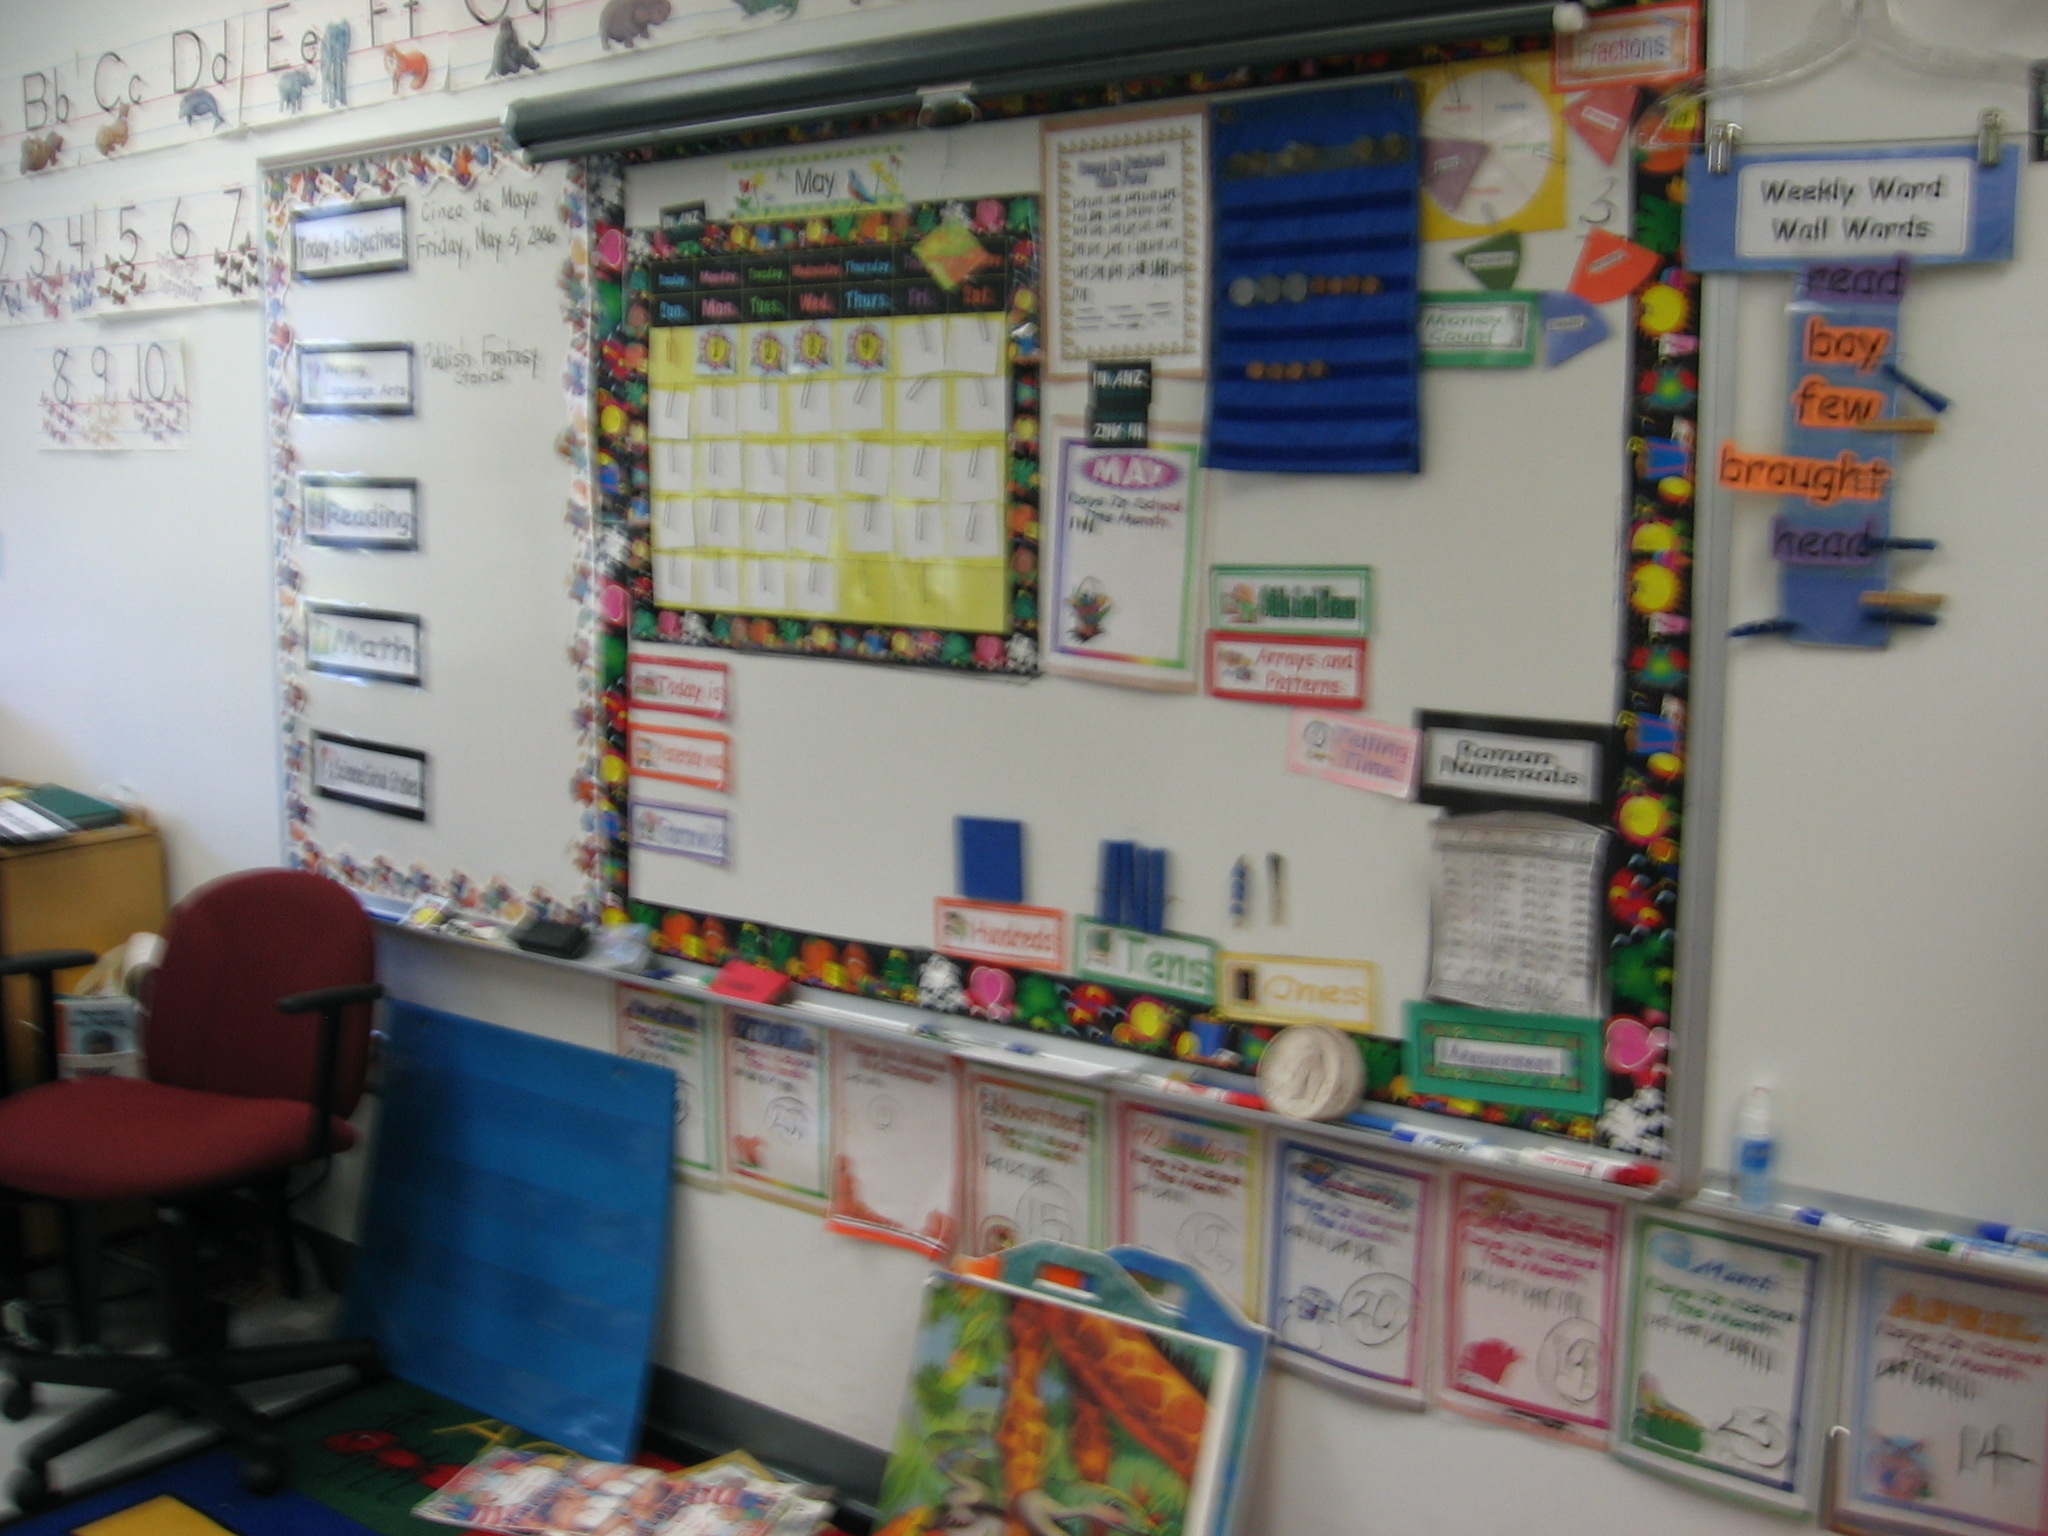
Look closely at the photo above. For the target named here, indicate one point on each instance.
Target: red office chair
(241, 1089)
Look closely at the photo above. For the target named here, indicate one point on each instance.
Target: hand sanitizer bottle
(1756, 1151)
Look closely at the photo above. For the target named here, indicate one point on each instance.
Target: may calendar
(841, 424)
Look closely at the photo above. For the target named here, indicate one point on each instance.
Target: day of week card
(895, 1172)
(1946, 1397)
(1533, 1293)
(1036, 1164)
(1725, 1333)
(1191, 1189)
(1350, 1261)
(775, 1108)
(681, 1034)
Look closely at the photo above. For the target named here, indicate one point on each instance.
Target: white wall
(1883, 851)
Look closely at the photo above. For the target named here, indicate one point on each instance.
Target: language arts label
(1267, 669)
(692, 831)
(1175, 964)
(1001, 934)
(1334, 600)
(702, 758)
(344, 379)
(678, 684)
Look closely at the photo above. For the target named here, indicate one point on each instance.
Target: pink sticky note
(1601, 117)
(1351, 750)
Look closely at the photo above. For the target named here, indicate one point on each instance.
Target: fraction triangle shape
(1496, 261)
(1570, 326)
(1448, 166)
(1601, 117)
(1611, 267)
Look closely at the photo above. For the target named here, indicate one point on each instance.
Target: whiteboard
(1497, 575)
(502, 533)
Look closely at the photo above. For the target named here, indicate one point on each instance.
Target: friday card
(775, 1108)
(895, 1169)
(1036, 1158)
(1726, 1334)
(681, 1034)
(1348, 1291)
(1946, 1394)
(1533, 1293)
(1191, 1189)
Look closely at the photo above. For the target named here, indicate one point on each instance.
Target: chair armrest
(40, 962)
(330, 1003)
(323, 998)
(42, 965)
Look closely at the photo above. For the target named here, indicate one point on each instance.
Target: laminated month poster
(1946, 1397)
(1352, 1238)
(775, 1108)
(1726, 1341)
(1191, 1190)
(681, 1034)
(1532, 1294)
(1036, 1158)
(1124, 545)
(895, 1172)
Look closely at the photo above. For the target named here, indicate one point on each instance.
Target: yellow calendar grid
(850, 470)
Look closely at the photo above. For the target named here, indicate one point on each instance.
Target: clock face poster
(1946, 1396)
(1531, 1298)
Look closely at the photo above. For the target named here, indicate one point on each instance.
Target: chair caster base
(30, 1489)
(266, 1472)
(18, 1402)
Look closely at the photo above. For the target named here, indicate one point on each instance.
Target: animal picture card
(776, 1108)
(1532, 1295)
(1349, 1292)
(1727, 1332)
(1191, 1187)
(1946, 1396)
(1029, 1413)
(895, 1143)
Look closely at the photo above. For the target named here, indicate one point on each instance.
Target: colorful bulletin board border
(1648, 775)
(465, 163)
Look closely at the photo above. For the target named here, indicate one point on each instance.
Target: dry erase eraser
(750, 983)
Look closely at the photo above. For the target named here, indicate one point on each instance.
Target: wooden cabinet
(87, 891)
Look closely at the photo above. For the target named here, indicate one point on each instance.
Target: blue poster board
(516, 1225)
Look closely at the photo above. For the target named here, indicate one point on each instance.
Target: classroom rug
(359, 1465)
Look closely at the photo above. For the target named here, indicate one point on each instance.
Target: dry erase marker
(1873, 1231)
(1414, 1135)
(2013, 1237)
(1606, 1169)
(1181, 1085)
